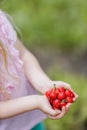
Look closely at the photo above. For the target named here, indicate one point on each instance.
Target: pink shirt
(18, 86)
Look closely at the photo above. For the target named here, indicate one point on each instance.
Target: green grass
(77, 115)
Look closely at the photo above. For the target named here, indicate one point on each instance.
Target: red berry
(68, 93)
(61, 95)
(53, 95)
(48, 93)
(57, 91)
(61, 89)
(51, 101)
(56, 103)
(72, 95)
(69, 99)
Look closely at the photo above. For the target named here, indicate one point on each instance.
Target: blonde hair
(2, 88)
(7, 56)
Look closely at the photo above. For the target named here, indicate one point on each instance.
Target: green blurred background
(55, 31)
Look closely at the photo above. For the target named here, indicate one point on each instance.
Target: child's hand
(60, 114)
(61, 84)
(45, 106)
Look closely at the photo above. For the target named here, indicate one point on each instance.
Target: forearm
(34, 73)
(17, 106)
(32, 69)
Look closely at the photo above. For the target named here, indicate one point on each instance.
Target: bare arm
(33, 70)
(17, 106)
(20, 105)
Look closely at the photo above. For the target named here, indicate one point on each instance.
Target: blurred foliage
(76, 118)
(60, 23)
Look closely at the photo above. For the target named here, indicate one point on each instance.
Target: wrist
(45, 85)
(42, 84)
(34, 101)
(40, 99)
(29, 102)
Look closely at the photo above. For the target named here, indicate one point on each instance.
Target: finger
(76, 96)
(62, 84)
(55, 112)
(67, 106)
(58, 112)
(53, 116)
(63, 112)
(52, 112)
(49, 110)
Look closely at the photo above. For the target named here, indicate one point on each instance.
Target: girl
(21, 107)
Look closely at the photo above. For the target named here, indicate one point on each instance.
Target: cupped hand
(45, 107)
(60, 113)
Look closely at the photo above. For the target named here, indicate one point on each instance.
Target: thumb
(54, 112)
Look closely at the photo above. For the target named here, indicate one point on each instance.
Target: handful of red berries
(59, 97)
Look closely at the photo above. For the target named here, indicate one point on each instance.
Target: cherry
(53, 95)
(61, 89)
(51, 101)
(61, 95)
(56, 103)
(47, 93)
(69, 99)
(67, 92)
(72, 95)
